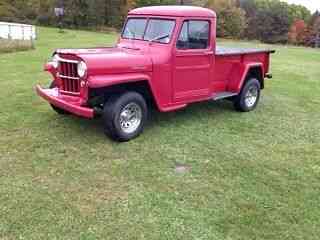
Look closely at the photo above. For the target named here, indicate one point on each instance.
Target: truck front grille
(69, 76)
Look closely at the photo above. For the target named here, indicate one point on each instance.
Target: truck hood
(114, 60)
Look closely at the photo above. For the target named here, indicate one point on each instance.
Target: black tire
(56, 109)
(240, 103)
(117, 105)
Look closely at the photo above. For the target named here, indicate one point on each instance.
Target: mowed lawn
(251, 175)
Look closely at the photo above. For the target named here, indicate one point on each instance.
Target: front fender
(109, 80)
(114, 79)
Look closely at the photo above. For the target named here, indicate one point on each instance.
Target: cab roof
(174, 11)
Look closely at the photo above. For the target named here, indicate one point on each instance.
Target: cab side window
(194, 35)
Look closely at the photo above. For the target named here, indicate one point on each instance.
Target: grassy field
(251, 176)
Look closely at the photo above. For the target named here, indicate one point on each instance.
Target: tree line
(271, 21)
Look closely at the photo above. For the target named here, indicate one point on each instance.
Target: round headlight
(55, 61)
(82, 69)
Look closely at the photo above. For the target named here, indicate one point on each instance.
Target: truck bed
(223, 51)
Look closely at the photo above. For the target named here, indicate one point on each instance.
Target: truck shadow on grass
(193, 114)
(196, 111)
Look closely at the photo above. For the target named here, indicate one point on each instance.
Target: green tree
(141, 3)
(272, 22)
(231, 22)
(19, 10)
(298, 12)
(268, 20)
(314, 31)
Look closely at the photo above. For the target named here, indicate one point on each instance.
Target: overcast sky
(313, 5)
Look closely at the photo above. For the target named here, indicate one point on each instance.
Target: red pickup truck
(166, 57)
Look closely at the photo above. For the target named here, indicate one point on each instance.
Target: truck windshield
(156, 30)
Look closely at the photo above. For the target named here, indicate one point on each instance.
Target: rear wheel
(56, 109)
(124, 116)
(249, 96)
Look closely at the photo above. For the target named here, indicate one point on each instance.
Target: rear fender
(243, 72)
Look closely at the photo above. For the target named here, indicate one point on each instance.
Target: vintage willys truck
(166, 56)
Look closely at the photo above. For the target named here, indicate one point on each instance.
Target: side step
(223, 95)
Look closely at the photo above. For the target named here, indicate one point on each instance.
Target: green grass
(7, 46)
(252, 176)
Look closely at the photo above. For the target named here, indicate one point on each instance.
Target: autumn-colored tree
(231, 20)
(297, 33)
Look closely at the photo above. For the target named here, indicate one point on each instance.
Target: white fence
(17, 31)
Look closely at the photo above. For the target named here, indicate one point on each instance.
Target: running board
(223, 95)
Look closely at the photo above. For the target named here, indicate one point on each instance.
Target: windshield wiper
(159, 38)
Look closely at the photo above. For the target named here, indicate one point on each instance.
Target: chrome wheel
(251, 96)
(130, 118)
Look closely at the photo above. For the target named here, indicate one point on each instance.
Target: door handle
(208, 53)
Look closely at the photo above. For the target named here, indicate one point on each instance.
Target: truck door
(192, 61)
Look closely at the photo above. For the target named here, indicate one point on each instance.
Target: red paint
(175, 77)
(69, 103)
(174, 11)
(112, 79)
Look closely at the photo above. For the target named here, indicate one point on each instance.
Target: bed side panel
(231, 70)
(226, 67)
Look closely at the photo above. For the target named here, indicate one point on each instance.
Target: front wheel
(249, 96)
(124, 116)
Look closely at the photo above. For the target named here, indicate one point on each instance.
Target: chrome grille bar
(69, 76)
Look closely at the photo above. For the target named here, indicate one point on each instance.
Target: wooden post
(23, 32)
(9, 32)
(31, 37)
